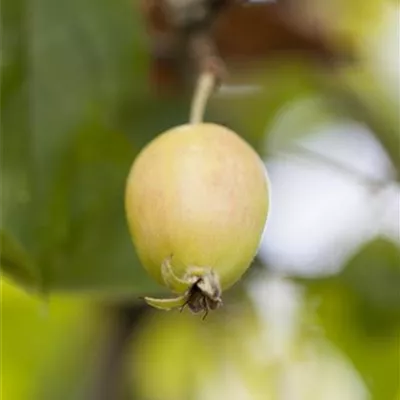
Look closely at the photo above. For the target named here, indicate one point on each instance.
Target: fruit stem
(204, 88)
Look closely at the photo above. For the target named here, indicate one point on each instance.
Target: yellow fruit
(196, 201)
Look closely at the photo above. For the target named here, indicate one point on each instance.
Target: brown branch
(110, 379)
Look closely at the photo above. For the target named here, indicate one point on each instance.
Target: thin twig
(355, 174)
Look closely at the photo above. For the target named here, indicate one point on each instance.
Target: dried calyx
(199, 290)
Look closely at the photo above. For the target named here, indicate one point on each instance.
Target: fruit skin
(198, 193)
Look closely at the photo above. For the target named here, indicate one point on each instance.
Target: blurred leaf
(16, 263)
(170, 351)
(373, 275)
(69, 68)
(47, 355)
(350, 20)
(360, 313)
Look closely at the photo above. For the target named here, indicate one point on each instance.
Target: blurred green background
(317, 316)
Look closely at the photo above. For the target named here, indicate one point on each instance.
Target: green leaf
(48, 355)
(16, 264)
(69, 70)
(373, 275)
